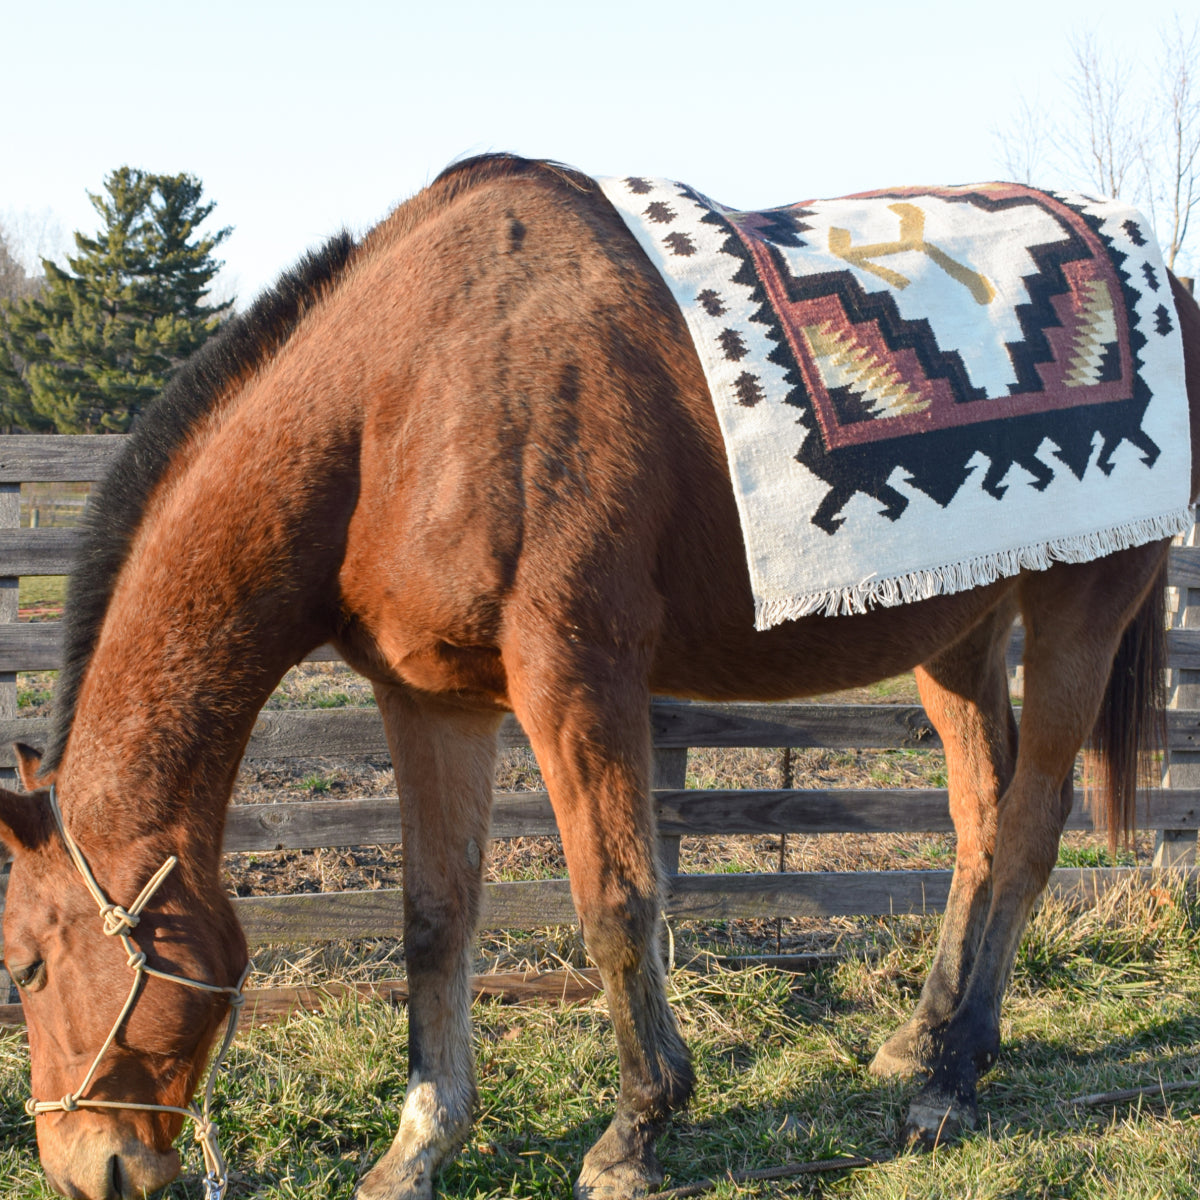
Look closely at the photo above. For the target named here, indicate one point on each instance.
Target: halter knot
(118, 921)
(69, 1103)
(136, 960)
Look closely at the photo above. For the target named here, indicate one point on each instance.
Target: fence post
(669, 772)
(10, 518)
(1177, 847)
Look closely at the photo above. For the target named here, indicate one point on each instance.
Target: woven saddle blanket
(924, 389)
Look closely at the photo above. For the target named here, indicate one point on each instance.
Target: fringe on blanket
(971, 572)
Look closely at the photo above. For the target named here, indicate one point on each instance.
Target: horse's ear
(29, 761)
(24, 821)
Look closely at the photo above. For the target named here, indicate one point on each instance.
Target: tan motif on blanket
(923, 388)
(912, 237)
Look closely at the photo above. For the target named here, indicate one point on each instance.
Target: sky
(302, 118)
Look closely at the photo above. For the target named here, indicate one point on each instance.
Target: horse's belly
(730, 660)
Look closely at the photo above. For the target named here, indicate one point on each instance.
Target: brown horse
(477, 453)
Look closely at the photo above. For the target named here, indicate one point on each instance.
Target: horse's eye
(31, 977)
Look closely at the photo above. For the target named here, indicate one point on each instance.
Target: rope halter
(120, 923)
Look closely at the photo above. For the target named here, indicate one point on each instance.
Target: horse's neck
(231, 578)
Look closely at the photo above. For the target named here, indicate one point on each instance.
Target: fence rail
(677, 727)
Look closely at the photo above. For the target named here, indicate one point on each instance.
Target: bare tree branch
(1130, 134)
(1181, 126)
(1106, 141)
(1023, 145)
(14, 280)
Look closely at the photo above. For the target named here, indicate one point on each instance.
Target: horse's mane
(483, 167)
(115, 509)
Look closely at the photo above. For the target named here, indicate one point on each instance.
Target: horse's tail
(1131, 727)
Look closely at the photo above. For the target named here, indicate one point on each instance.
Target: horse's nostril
(114, 1177)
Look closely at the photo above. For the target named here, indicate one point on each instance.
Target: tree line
(86, 347)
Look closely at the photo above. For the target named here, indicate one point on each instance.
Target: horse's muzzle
(106, 1164)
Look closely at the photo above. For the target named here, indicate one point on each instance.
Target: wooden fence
(677, 727)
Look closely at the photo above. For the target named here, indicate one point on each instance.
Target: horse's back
(552, 461)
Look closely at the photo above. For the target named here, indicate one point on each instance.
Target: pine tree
(16, 411)
(101, 339)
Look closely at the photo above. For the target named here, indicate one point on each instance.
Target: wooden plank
(512, 987)
(352, 732)
(358, 732)
(1183, 567)
(1183, 731)
(1183, 648)
(39, 551)
(531, 905)
(278, 733)
(307, 825)
(302, 919)
(53, 458)
(31, 646)
(831, 726)
(264, 1005)
(37, 646)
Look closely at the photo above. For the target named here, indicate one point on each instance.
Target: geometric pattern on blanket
(934, 349)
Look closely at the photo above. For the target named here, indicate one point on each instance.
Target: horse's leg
(444, 758)
(965, 693)
(588, 722)
(1074, 618)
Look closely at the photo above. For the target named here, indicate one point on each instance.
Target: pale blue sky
(302, 117)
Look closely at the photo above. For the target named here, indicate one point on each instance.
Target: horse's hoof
(412, 1180)
(619, 1168)
(931, 1123)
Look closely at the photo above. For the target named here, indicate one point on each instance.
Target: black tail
(1132, 723)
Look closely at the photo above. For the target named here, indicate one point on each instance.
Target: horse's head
(77, 978)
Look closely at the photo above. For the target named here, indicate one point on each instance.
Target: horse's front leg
(444, 758)
(587, 716)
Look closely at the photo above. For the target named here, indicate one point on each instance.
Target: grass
(43, 595)
(1101, 1000)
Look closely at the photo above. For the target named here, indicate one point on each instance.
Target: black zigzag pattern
(936, 462)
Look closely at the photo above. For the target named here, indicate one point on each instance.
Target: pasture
(1102, 1000)
(1105, 998)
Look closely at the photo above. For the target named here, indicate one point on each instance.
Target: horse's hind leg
(444, 759)
(1074, 618)
(587, 717)
(965, 693)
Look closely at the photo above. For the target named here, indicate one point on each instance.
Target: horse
(476, 453)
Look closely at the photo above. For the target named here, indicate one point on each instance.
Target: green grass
(1094, 856)
(42, 591)
(1101, 1000)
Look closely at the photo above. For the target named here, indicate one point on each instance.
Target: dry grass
(1102, 998)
